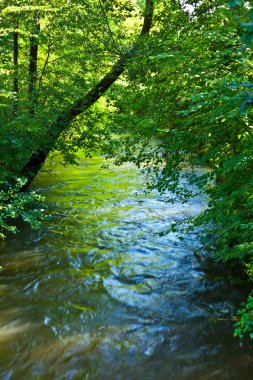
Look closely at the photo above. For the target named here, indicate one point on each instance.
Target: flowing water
(96, 293)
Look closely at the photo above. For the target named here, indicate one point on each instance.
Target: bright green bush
(16, 204)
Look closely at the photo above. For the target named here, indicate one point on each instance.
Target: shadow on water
(98, 294)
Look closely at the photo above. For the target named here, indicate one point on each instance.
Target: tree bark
(37, 159)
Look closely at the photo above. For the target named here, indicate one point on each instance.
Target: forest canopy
(158, 83)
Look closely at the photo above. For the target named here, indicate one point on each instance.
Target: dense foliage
(189, 103)
(52, 52)
(185, 100)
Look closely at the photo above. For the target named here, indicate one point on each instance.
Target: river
(96, 293)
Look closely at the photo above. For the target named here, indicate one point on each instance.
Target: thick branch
(94, 94)
(148, 16)
(63, 121)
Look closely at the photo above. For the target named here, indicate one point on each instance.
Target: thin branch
(45, 66)
(109, 28)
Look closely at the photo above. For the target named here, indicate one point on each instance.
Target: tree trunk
(62, 123)
(15, 68)
(33, 60)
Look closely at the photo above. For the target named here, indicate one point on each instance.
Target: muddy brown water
(96, 293)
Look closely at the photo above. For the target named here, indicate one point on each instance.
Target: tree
(191, 95)
(52, 69)
(63, 121)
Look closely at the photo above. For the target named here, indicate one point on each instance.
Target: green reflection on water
(98, 294)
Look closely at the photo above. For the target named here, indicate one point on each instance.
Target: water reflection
(98, 294)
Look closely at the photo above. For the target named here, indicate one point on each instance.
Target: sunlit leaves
(16, 205)
(189, 101)
(77, 43)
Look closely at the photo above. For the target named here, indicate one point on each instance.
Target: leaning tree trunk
(63, 122)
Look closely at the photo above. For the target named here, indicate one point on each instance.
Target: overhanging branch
(63, 122)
